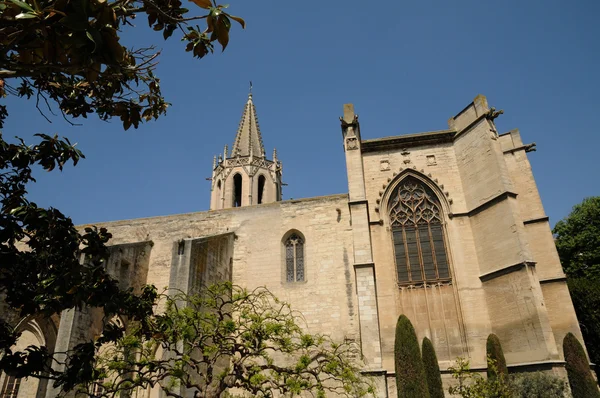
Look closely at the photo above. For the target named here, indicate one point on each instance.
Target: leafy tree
(581, 380)
(538, 385)
(67, 55)
(577, 239)
(495, 353)
(585, 293)
(472, 385)
(69, 51)
(227, 338)
(410, 374)
(432, 370)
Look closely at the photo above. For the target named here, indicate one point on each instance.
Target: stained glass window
(418, 234)
(294, 258)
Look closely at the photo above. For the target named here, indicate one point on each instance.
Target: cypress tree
(578, 369)
(410, 374)
(432, 370)
(494, 351)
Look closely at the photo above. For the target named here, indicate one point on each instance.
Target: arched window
(294, 258)
(261, 188)
(10, 389)
(237, 190)
(418, 233)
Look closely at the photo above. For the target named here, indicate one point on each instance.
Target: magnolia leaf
(89, 36)
(202, 3)
(25, 15)
(238, 20)
(222, 31)
(210, 24)
(23, 5)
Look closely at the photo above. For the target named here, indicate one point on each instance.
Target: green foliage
(410, 374)
(585, 293)
(472, 385)
(577, 239)
(581, 380)
(432, 370)
(70, 52)
(495, 353)
(538, 385)
(227, 337)
(41, 268)
(67, 54)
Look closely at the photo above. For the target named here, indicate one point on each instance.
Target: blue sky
(407, 66)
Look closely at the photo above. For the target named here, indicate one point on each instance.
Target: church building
(446, 227)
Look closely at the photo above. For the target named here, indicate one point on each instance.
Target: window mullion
(420, 252)
(295, 257)
(435, 264)
(406, 254)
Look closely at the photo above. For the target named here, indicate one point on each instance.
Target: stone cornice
(408, 140)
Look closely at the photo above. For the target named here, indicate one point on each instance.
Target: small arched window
(237, 190)
(261, 188)
(294, 258)
(10, 389)
(418, 233)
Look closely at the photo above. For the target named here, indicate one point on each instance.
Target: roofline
(408, 140)
(264, 205)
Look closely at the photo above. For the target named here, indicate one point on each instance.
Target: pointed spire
(248, 139)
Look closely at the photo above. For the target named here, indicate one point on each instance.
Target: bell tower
(244, 176)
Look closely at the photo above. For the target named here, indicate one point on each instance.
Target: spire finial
(250, 90)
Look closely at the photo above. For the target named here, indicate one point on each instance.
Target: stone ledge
(498, 198)
(358, 202)
(364, 265)
(553, 280)
(505, 270)
(536, 220)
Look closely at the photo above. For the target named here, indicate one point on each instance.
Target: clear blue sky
(406, 65)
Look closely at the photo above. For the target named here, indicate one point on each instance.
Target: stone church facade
(446, 227)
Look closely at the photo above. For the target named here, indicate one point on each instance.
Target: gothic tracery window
(418, 234)
(294, 258)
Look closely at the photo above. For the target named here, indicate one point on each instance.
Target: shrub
(495, 353)
(538, 385)
(473, 385)
(432, 370)
(410, 374)
(580, 377)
